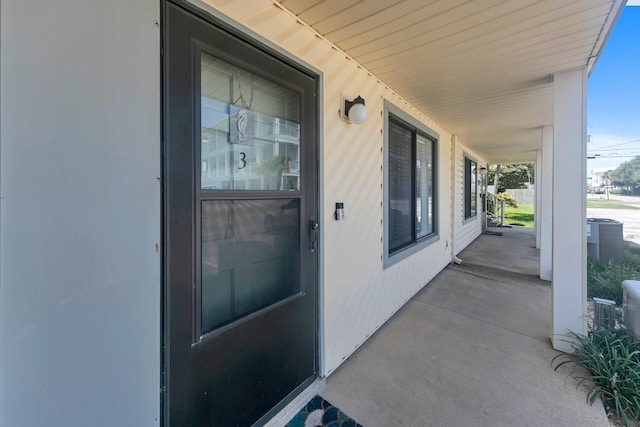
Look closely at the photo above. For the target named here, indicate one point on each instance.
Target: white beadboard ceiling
(483, 69)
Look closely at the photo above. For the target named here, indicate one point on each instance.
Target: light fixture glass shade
(358, 114)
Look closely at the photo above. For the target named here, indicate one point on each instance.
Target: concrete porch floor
(470, 349)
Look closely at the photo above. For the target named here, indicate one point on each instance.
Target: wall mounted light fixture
(354, 111)
(482, 174)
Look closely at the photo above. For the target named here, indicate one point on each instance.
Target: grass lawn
(522, 215)
(607, 204)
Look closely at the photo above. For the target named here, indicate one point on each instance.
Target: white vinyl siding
(466, 230)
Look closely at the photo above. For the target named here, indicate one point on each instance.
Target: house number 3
(243, 162)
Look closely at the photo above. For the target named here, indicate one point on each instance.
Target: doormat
(321, 413)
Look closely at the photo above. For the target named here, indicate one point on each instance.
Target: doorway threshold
(288, 412)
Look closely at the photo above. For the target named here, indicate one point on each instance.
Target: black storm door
(240, 235)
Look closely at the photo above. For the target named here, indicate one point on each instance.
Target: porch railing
(495, 210)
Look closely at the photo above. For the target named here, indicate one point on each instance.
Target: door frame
(214, 17)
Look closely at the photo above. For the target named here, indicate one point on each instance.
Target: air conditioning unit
(631, 306)
(604, 239)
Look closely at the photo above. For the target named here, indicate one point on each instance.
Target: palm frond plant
(612, 358)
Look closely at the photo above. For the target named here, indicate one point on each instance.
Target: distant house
(598, 179)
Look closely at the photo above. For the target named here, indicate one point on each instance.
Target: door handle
(313, 234)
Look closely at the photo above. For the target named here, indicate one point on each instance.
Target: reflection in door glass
(250, 257)
(250, 130)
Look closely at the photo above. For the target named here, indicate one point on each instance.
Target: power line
(617, 149)
(622, 143)
(613, 156)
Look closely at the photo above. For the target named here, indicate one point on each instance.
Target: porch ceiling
(482, 69)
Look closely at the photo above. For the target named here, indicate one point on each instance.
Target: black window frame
(470, 188)
(394, 116)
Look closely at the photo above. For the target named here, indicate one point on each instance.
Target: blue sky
(613, 118)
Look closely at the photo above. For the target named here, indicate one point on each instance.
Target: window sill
(470, 219)
(406, 252)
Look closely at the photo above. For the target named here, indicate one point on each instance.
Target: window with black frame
(470, 188)
(410, 188)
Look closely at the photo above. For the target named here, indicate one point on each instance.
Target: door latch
(313, 234)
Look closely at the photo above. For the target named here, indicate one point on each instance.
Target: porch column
(569, 249)
(538, 197)
(546, 202)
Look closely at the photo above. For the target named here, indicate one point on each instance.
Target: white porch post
(569, 210)
(538, 194)
(546, 203)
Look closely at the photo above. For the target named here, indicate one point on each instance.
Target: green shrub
(631, 254)
(509, 200)
(607, 282)
(604, 279)
(613, 361)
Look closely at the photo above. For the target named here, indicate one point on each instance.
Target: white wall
(465, 231)
(80, 213)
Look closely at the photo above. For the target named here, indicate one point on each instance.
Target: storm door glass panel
(250, 130)
(400, 187)
(250, 257)
(424, 186)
